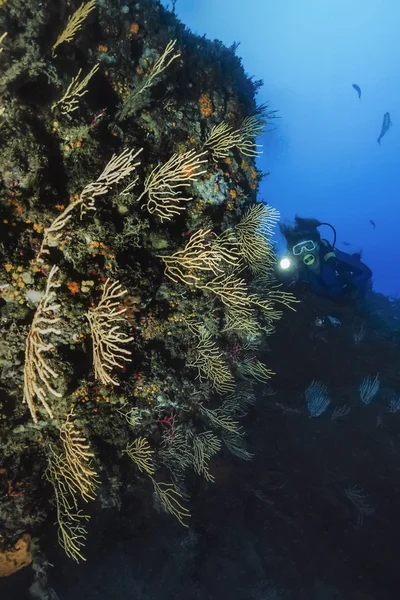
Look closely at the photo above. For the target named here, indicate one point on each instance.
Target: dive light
(285, 263)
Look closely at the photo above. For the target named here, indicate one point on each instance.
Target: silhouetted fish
(358, 89)
(386, 123)
(373, 222)
(346, 243)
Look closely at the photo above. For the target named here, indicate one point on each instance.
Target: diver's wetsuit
(341, 276)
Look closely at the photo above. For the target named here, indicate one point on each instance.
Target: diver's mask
(305, 250)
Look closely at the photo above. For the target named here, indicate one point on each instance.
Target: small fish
(346, 243)
(358, 89)
(386, 123)
(372, 223)
(97, 116)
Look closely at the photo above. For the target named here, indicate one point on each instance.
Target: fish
(372, 223)
(346, 243)
(386, 123)
(358, 89)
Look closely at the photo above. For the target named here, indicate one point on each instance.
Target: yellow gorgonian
(75, 22)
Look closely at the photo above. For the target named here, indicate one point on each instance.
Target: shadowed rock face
(280, 526)
(126, 87)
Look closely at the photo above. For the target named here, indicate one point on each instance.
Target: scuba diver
(320, 267)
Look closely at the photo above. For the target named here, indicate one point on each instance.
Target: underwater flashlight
(284, 263)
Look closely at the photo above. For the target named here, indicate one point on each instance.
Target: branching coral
(317, 398)
(275, 294)
(71, 529)
(242, 323)
(132, 414)
(254, 369)
(38, 374)
(176, 453)
(233, 293)
(241, 399)
(369, 388)
(209, 361)
(167, 57)
(53, 233)
(231, 290)
(217, 264)
(142, 455)
(160, 65)
(163, 187)
(360, 500)
(205, 253)
(253, 233)
(117, 168)
(220, 418)
(75, 23)
(223, 137)
(251, 128)
(72, 476)
(188, 449)
(80, 477)
(236, 446)
(104, 322)
(170, 499)
(76, 89)
(205, 446)
(2, 38)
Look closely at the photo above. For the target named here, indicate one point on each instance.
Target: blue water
(322, 154)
